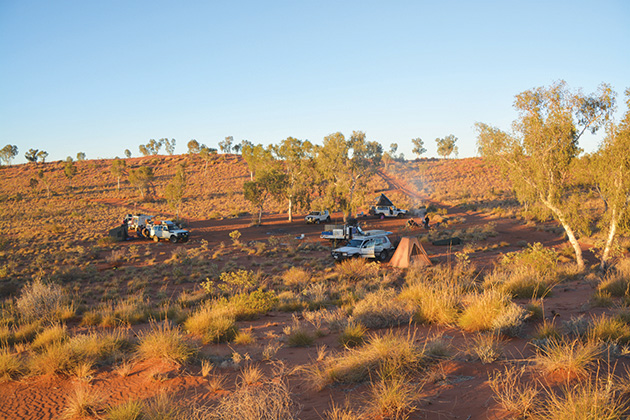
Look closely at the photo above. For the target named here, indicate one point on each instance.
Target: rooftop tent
(384, 201)
(409, 251)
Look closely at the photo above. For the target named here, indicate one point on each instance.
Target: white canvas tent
(409, 251)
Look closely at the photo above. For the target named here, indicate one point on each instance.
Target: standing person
(426, 221)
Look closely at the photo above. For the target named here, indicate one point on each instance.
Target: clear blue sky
(104, 76)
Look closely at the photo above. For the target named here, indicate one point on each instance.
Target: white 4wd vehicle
(168, 230)
(318, 217)
(387, 211)
(138, 222)
(377, 247)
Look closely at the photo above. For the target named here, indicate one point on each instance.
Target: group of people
(425, 222)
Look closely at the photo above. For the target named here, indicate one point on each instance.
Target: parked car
(378, 247)
(387, 211)
(318, 217)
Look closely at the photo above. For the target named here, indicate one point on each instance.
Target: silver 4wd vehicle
(318, 217)
(378, 247)
(168, 231)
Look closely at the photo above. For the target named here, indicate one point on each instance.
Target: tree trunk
(579, 259)
(612, 230)
(290, 210)
(118, 183)
(260, 209)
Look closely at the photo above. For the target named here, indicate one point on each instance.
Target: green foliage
(538, 158)
(142, 179)
(418, 146)
(118, 169)
(536, 256)
(446, 146)
(152, 147)
(8, 153)
(344, 166)
(174, 191)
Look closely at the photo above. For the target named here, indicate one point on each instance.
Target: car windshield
(355, 243)
(314, 213)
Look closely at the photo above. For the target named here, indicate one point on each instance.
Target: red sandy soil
(460, 389)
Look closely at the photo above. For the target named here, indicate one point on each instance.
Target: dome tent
(409, 251)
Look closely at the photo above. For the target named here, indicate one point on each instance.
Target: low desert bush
(165, 342)
(486, 348)
(570, 359)
(298, 336)
(491, 311)
(521, 281)
(609, 329)
(353, 335)
(213, 323)
(42, 301)
(52, 334)
(391, 398)
(536, 257)
(616, 283)
(271, 400)
(356, 269)
(296, 277)
(83, 402)
(11, 365)
(590, 399)
(164, 407)
(513, 394)
(130, 410)
(381, 309)
(390, 352)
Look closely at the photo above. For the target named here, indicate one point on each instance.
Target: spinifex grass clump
(491, 311)
(41, 301)
(530, 273)
(390, 352)
(382, 309)
(569, 359)
(437, 292)
(164, 341)
(213, 323)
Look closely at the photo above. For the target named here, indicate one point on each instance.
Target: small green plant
(235, 235)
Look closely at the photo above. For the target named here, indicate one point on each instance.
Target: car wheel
(145, 233)
(382, 256)
(173, 239)
(317, 221)
(328, 219)
(156, 239)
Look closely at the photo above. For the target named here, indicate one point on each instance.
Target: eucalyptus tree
(269, 183)
(69, 169)
(418, 146)
(175, 190)
(537, 156)
(344, 167)
(118, 169)
(611, 170)
(446, 146)
(8, 153)
(142, 179)
(297, 160)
